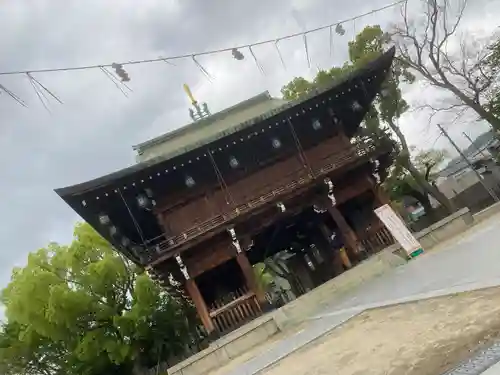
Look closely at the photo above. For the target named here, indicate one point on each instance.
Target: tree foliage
(380, 123)
(368, 45)
(84, 309)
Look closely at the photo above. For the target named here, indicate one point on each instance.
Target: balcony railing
(228, 316)
(340, 159)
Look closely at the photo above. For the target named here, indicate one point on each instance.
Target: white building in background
(457, 176)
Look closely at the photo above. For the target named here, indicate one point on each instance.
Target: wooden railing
(336, 161)
(228, 316)
(378, 240)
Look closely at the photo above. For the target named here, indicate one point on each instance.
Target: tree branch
(466, 74)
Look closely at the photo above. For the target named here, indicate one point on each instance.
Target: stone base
(227, 348)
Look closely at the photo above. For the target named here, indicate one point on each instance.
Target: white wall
(453, 185)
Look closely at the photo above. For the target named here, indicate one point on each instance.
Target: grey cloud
(92, 133)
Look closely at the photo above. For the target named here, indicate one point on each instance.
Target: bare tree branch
(433, 108)
(427, 47)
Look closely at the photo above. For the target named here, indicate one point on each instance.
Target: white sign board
(398, 230)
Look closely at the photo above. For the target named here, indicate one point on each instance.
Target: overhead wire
(41, 96)
(300, 149)
(115, 81)
(202, 53)
(221, 180)
(13, 95)
(134, 220)
(36, 81)
(279, 54)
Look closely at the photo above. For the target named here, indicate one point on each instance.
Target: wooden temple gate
(247, 300)
(190, 216)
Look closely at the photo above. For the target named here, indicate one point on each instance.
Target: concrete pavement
(469, 263)
(494, 370)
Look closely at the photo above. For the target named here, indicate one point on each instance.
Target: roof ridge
(265, 95)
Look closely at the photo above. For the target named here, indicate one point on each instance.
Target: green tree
(296, 88)
(31, 354)
(262, 276)
(387, 107)
(84, 309)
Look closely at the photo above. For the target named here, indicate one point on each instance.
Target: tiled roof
(207, 122)
(384, 60)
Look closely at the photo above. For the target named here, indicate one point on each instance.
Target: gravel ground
(421, 338)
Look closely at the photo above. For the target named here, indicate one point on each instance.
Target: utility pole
(487, 188)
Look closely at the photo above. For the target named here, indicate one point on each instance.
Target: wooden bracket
(234, 240)
(182, 267)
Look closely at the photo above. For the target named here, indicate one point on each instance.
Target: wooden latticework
(378, 240)
(229, 315)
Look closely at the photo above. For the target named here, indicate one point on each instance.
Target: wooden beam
(207, 256)
(345, 258)
(348, 234)
(256, 224)
(337, 259)
(231, 304)
(349, 193)
(199, 303)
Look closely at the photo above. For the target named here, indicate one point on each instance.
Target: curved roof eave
(262, 97)
(385, 60)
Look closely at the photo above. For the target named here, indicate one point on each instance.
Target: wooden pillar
(201, 306)
(348, 234)
(195, 294)
(249, 275)
(247, 269)
(337, 256)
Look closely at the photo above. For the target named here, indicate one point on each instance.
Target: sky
(92, 133)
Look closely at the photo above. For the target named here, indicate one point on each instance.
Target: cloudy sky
(92, 132)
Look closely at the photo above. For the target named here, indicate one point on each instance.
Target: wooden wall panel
(352, 188)
(257, 184)
(323, 154)
(205, 258)
(266, 180)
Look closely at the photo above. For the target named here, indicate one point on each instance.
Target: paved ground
(472, 261)
(419, 338)
(494, 370)
(469, 262)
